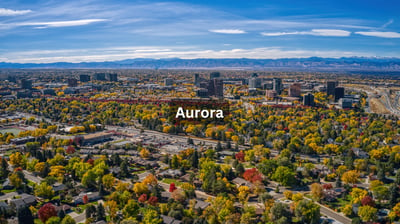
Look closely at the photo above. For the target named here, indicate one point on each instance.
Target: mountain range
(288, 64)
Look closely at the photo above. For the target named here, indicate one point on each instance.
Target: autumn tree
(47, 211)
(252, 175)
(350, 177)
(44, 190)
(317, 191)
(367, 213)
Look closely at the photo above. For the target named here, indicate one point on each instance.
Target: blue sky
(42, 31)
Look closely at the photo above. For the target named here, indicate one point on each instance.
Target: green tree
(284, 176)
(89, 179)
(44, 190)
(308, 212)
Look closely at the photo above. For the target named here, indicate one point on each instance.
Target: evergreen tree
(100, 214)
(25, 216)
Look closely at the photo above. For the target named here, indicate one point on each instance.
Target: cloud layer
(10, 12)
(314, 32)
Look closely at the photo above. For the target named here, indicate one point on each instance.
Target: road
(32, 178)
(332, 214)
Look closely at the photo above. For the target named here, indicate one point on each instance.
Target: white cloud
(380, 34)
(228, 31)
(41, 25)
(10, 12)
(387, 23)
(314, 32)
(121, 53)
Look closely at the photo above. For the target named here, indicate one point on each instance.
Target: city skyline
(79, 31)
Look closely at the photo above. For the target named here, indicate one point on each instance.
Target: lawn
(170, 180)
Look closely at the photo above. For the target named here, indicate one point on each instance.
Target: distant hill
(295, 64)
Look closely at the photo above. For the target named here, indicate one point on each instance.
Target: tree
(17, 160)
(68, 220)
(317, 191)
(284, 175)
(367, 200)
(350, 177)
(47, 211)
(111, 208)
(15, 180)
(308, 212)
(108, 181)
(357, 195)
(151, 216)
(172, 187)
(280, 210)
(101, 214)
(44, 191)
(89, 179)
(140, 188)
(288, 194)
(367, 213)
(131, 209)
(252, 175)
(150, 180)
(25, 216)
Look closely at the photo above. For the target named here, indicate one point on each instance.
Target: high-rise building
(330, 87)
(168, 82)
(113, 77)
(84, 78)
(295, 90)
(308, 100)
(339, 93)
(196, 79)
(218, 88)
(100, 76)
(277, 85)
(254, 83)
(72, 82)
(215, 75)
(26, 84)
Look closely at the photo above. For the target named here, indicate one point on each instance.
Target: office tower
(100, 76)
(219, 88)
(26, 84)
(277, 85)
(113, 77)
(215, 75)
(339, 93)
(84, 78)
(308, 100)
(196, 79)
(72, 82)
(254, 83)
(330, 87)
(295, 90)
(168, 82)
